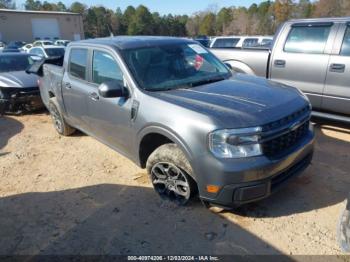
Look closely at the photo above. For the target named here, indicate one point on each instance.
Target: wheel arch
(165, 135)
(240, 67)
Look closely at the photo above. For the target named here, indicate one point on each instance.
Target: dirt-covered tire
(58, 120)
(170, 174)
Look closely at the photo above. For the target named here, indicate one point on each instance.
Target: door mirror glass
(112, 89)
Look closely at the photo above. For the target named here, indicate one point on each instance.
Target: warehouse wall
(17, 26)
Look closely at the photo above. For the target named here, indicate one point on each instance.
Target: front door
(301, 59)
(336, 97)
(109, 118)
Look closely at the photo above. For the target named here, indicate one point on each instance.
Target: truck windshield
(168, 67)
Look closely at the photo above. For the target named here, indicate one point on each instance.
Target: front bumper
(17, 99)
(248, 180)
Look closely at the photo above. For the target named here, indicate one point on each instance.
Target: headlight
(235, 143)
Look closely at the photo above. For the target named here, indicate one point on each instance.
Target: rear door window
(250, 42)
(345, 49)
(307, 39)
(225, 42)
(78, 63)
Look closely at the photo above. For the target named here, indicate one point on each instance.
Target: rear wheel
(58, 121)
(170, 171)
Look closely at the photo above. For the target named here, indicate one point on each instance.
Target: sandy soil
(73, 195)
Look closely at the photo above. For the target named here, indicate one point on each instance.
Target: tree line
(261, 19)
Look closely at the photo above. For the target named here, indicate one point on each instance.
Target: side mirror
(112, 89)
(229, 66)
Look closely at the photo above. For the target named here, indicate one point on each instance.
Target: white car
(43, 43)
(62, 42)
(47, 51)
(241, 42)
(26, 48)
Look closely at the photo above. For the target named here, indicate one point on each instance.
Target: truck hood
(241, 101)
(18, 79)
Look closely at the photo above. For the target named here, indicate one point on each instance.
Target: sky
(162, 6)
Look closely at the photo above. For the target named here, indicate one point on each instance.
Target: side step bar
(329, 116)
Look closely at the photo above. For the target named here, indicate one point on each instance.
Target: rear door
(75, 87)
(301, 55)
(109, 118)
(336, 96)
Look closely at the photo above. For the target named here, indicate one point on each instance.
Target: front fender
(168, 133)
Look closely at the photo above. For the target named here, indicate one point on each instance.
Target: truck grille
(286, 134)
(286, 120)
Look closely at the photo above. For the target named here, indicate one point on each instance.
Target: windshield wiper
(207, 81)
(188, 85)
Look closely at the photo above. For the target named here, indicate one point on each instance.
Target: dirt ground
(73, 195)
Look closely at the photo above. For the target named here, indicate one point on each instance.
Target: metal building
(28, 26)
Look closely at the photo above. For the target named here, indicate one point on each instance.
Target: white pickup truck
(310, 54)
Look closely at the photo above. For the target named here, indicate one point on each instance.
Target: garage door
(45, 28)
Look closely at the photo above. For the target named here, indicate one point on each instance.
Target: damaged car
(19, 91)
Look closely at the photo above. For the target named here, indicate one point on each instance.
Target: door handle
(339, 68)
(94, 96)
(67, 85)
(280, 63)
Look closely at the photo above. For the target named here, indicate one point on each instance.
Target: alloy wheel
(171, 182)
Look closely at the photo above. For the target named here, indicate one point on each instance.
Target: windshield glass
(11, 63)
(174, 66)
(54, 51)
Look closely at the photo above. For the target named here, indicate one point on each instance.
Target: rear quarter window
(307, 39)
(78, 63)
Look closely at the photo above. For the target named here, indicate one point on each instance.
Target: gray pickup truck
(312, 55)
(172, 107)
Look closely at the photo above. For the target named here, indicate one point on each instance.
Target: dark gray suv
(172, 107)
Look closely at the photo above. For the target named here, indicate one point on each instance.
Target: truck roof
(325, 19)
(131, 42)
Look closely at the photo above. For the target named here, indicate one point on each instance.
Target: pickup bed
(172, 107)
(312, 55)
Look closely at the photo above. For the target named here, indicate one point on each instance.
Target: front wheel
(170, 171)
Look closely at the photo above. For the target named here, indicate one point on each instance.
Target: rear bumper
(273, 175)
